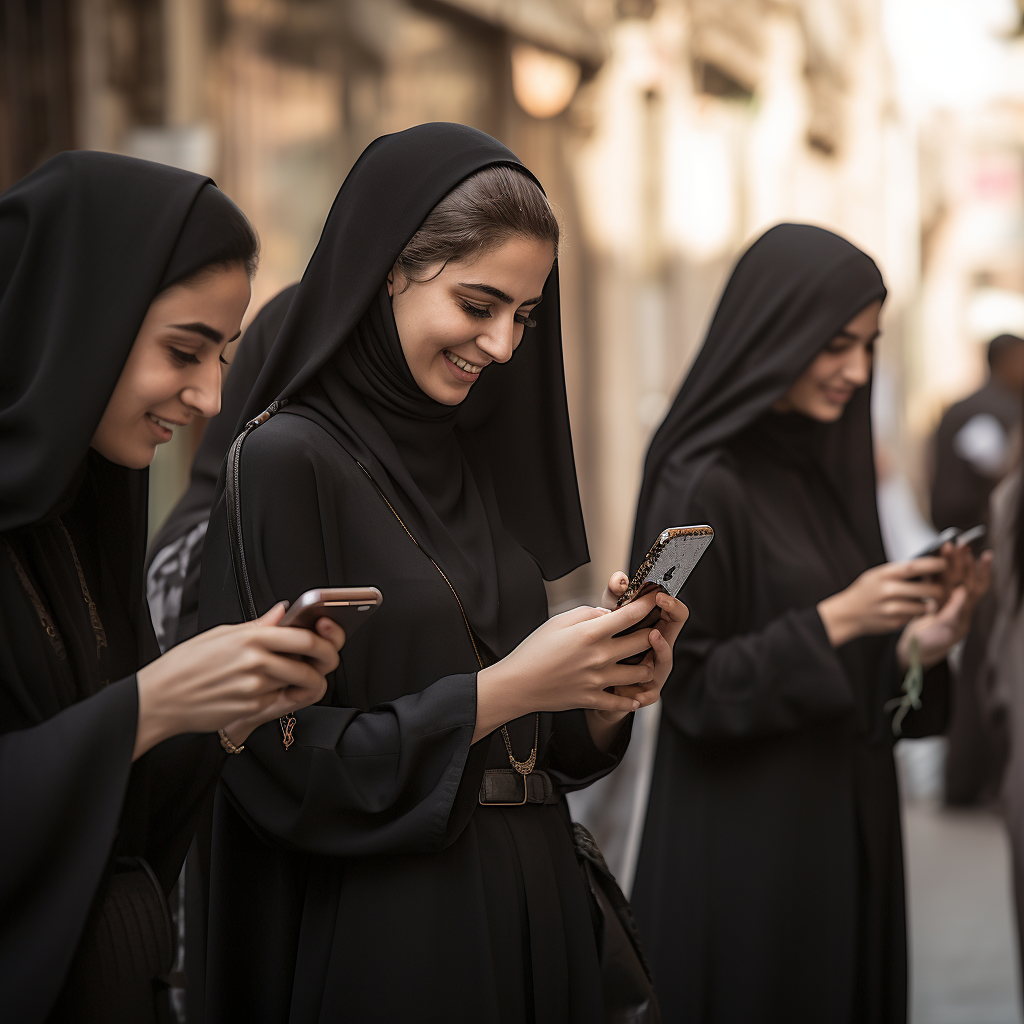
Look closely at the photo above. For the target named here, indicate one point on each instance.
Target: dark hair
(998, 347)
(478, 215)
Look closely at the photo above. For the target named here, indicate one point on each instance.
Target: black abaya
(355, 876)
(92, 841)
(770, 882)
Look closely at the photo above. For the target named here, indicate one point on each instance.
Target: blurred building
(668, 133)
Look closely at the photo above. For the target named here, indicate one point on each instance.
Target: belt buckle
(506, 803)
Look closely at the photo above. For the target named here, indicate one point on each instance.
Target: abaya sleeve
(355, 781)
(736, 673)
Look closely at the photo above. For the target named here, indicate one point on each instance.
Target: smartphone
(972, 538)
(350, 607)
(932, 550)
(667, 566)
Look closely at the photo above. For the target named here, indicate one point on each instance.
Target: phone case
(670, 560)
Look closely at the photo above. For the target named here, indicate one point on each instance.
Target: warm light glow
(543, 82)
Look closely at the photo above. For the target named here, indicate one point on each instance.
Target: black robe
(92, 842)
(354, 875)
(769, 886)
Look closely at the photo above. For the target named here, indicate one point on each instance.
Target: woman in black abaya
(120, 283)
(395, 880)
(770, 881)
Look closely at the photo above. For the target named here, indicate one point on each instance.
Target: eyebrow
(208, 332)
(844, 333)
(489, 289)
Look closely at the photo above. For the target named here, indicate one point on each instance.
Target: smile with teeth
(166, 424)
(461, 363)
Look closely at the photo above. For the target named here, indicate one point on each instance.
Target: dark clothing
(354, 875)
(960, 495)
(176, 552)
(92, 842)
(960, 492)
(770, 883)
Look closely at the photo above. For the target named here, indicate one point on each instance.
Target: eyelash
(189, 358)
(482, 312)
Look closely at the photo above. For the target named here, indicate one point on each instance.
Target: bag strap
(233, 494)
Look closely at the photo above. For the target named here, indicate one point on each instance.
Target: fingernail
(286, 605)
(636, 705)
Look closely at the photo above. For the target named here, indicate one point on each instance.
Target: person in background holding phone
(409, 855)
(121, 282)
(770, 880)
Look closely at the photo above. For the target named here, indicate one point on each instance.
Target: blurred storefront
(667, 132)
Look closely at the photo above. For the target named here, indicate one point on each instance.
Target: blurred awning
(540, 22)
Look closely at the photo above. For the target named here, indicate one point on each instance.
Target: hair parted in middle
(478, 215)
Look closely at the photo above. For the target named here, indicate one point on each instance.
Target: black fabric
(84, 242)
(214, 231)
(960, 493)
(770, 882)
(176, 551)
(361, 853)
(519, 418)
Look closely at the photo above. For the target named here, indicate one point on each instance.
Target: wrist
(152, 727)
(496, 701)
(840, 627)
(604, 726)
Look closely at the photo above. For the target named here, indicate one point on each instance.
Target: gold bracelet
(227, 744)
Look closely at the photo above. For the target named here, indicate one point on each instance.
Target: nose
(857, 369)
(500, 340)
(203, 392)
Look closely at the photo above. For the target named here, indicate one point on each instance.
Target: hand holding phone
(667, 567)
(349, 607)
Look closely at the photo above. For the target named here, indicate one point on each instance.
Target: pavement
(962, 944)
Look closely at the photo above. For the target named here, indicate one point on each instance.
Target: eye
(184, 358)
(473, 310)
(522, 318)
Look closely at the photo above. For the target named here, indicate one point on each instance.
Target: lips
(462, 369)
(164, 429)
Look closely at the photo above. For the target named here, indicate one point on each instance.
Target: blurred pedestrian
(405, 852)
(972, 451)
(973, 443)
(770, 880)
(121, 282)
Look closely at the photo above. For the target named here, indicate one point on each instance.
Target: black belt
(503, 787)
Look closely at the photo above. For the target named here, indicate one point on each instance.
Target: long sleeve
(736, 672)
(64, 784)
(378, 778)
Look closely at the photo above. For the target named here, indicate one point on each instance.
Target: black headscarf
(86, 243)
(790, 293)
(516, 414)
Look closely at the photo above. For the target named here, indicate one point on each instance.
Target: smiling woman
(120, 283)
(412, 849)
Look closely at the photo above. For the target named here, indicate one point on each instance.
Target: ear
(391, 282)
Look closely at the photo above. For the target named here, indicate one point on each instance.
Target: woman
(397, 880)
(121, 282)
(176, 552)
(770, 880)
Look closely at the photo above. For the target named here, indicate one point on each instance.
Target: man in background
(973, 448)
(972, 445)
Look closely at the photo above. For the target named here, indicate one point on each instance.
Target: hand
(569, 662)
(940, 629)
(882, 599)
(604, 725)
(235, 678)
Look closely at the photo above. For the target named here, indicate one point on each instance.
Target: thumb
(274, 616)
(954, 605)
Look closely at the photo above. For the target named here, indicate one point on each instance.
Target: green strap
(913, 685)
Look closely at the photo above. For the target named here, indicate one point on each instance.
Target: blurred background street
(669, 134)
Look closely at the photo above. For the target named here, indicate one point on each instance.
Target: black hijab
(86, 243)
(789, 294)
(516, 415)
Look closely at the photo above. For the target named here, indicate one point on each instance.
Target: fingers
(274, 616)
(331, 632)
(604, 701)
(302, 642)
(617, 585)
(673, 617)
(956, 604)
(628, 615)
(928, 566)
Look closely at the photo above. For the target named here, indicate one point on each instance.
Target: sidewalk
(962, 943)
